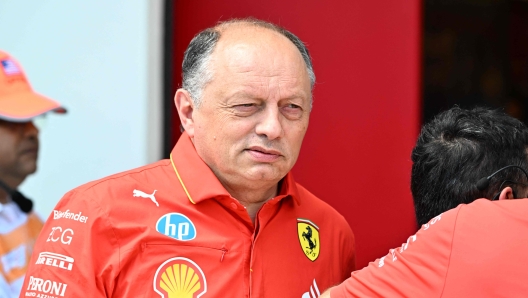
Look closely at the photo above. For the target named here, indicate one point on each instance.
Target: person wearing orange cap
(19, 226)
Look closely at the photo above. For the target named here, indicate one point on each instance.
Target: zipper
(145, 245)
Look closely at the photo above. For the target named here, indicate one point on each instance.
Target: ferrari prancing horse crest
(309, 238)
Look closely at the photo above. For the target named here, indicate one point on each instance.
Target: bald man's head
(197, 70)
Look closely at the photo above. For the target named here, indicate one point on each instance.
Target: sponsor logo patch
(314, 291)
(37, 286)
(308, 233)
(55, 260)
(57, 234)
(69, 215)
(139, 193)
(180, 278)
(177, 226)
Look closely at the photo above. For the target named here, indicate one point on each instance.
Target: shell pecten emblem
(180, 278)
(308, 233)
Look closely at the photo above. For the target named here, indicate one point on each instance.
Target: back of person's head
(459, 147)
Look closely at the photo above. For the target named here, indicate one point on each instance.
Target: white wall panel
(101, 59)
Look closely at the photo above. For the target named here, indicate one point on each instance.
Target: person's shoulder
(122, 180)
(488, 204)
(154, 169)
(311, 203)
(308, 198)
(484, 209)
(480, 204)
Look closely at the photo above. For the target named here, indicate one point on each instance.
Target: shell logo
(180, 278)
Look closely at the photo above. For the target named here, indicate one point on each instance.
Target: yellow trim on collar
(181, 182)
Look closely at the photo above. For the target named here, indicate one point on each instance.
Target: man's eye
(293, 106)
(245, 108)
(292, 111)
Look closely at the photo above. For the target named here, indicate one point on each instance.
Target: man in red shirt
(475, 250)
(223, 217)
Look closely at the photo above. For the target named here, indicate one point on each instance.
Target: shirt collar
(200, 183)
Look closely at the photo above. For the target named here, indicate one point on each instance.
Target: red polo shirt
(170, 229)
(475, 250)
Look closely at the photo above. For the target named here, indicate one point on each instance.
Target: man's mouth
(29, 150)
(262, 154)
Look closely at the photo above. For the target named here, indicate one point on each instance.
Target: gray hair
(195, 71)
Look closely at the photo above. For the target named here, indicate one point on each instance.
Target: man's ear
(506, 194)
(185, 108)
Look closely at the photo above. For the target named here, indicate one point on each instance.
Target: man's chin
(265, 173)
(28, 169)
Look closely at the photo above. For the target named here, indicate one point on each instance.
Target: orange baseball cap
(18, 101)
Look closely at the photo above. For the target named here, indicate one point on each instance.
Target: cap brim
(21, 107)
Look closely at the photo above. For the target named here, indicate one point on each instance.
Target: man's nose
(270, 124)
(30, 130)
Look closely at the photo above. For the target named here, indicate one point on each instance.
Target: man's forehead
(243, 70)
(241, 91)
(241, 26)
(240, 48)
(247, 33)
(250, 59)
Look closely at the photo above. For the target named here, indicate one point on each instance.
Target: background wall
(101, 60)
(356, 154)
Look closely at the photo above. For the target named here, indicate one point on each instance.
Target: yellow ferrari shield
(309, 238)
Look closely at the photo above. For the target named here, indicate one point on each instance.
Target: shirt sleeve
(416, 269)
(76, 254)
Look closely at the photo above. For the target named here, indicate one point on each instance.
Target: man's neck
(253, 199)
(12, 183)
(3, 197)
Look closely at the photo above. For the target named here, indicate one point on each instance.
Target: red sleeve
(416, 269)
(76, 254)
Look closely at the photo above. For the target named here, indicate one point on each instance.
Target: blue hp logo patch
(177, 226)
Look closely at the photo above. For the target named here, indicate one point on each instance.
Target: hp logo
(177, 226)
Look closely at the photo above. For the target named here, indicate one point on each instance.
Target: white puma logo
(139, 193)
(314, 291)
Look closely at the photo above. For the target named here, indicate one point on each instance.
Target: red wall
(356, 154)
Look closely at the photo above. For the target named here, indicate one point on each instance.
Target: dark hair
(195, 72)
(459, 147)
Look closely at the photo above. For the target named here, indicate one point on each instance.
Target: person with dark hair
(223, 217)
(19, 144)
(456, 149)
(477, 158)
